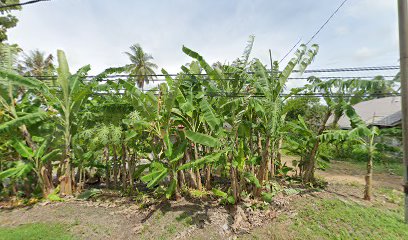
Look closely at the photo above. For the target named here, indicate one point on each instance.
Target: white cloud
(364, 53)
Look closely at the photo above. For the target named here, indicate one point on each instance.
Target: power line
(21, 4)
(290, 50)
(291, 78)
(260, 95)
(327, 21)
(327, 70)
(115, 79)
(355, 69)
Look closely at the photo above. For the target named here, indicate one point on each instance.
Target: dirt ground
(121, 218)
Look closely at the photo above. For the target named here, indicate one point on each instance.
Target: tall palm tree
(37, 63)
(141, 67)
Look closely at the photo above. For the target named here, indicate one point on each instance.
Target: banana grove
(218, 128)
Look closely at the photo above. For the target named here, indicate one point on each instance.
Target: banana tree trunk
(263, 168)
(132, 162)
(234, 180)
(181, 179)
(107, 168)
(80, 185)
(124, 157)
(115, 167)
(66, 181)
(47, 185)
(197, 171)
(263, 171)
(27, 137)
(174, 176)
(369, 175)
(273, 153)
(190, 173)
(208, 177)
(369, 179)
(259, 143)
(310, 164)
(66, 186)
(279, 155)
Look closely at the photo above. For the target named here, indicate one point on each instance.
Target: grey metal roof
(383, 112)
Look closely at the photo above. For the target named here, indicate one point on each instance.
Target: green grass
(395, 168)
(379, 167)
(335, 219)
(185, 218)
(35, 231)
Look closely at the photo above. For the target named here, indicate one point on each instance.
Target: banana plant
(225, 117)
(364, 135)
(68, 103)
(157, 116)
(271, 84)
(347, 93)
(12, 88)
(33, 161)
(300, 140)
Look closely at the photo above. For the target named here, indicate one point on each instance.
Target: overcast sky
(97, 32)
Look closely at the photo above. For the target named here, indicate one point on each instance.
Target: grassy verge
(335, 219)
(35, 231)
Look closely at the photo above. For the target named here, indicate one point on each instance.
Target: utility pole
(403, 39)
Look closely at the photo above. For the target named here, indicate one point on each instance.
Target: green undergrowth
(336, 219)
(35, 231)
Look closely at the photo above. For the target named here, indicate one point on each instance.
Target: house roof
(382, 112)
